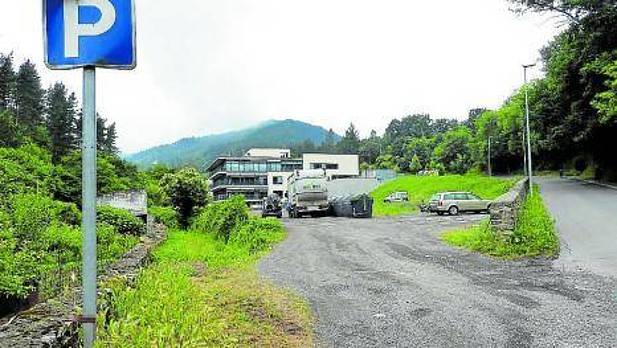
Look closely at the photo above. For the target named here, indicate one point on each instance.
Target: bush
(534, 235)
(223, 218)
(164, 215)
(68, 213)
(18, 269)
(258, 234)
(123, 221)
(32, 214)
(187, 191)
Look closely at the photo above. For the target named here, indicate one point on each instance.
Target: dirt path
(392, 283)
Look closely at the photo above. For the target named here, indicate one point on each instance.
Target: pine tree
(61, 120)
(329, 143)
(29, 98)
(11, 134)
(111, 137)
(350, 144)
(7, 82)
(101, 130)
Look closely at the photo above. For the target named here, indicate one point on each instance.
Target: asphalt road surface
(586, 216)
(392, 283)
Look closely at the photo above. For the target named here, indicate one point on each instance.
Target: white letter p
(73, 30)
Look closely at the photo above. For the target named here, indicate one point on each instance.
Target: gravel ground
(390, 282)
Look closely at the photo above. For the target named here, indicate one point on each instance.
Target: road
(586, 216)
(390, 282)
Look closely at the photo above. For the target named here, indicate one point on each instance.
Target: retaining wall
(506, 208)
(53, 324)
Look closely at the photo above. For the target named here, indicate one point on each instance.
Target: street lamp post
(490, 168)
(529, 164)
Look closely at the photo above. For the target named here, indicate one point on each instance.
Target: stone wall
(134, 201)
(52, 323)
(505, 209)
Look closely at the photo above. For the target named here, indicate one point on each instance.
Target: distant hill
(198, 151)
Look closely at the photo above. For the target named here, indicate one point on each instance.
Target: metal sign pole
(89, 206)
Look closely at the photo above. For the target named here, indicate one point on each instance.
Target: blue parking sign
(98, 33)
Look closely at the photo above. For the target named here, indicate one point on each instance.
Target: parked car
(397, 197)
(455, 202)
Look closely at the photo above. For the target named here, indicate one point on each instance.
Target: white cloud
(212, 66)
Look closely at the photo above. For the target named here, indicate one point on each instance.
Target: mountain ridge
(200, 150)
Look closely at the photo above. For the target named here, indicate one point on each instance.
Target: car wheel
(453, 210)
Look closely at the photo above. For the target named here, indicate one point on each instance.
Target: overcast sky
(207, 66)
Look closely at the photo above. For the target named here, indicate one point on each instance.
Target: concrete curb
(593, 182)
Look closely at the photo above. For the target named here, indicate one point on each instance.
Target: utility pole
(490, 169)
(529, 162)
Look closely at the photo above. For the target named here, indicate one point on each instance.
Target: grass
(421, 188)
(535, 235)
(203, 292)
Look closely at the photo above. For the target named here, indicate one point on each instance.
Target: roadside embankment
(53, 323)
(520, 226)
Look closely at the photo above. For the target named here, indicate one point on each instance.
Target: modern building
(251, 176)
(262, 172)
(336, 166)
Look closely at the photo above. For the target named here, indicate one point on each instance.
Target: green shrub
(32, 214)
(258, 234)
(18, 269)
(534, 235)
(187, 191)
(123, 221)
(223, 218)
(27, 169)
(68, 213)
(111, 244)
(164, 215)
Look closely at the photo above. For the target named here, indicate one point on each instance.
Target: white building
(266, 152)
(336, 166)
(277, 183)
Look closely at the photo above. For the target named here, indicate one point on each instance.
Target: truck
(308, 193)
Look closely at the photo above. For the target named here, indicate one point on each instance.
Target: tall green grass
(203, 292)
(421, 188)
(535, 234)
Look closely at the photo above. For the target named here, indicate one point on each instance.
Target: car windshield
(436, 197)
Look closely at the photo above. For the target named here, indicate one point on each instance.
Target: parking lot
(390, 282)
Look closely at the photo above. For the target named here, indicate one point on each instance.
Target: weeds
(535, 235)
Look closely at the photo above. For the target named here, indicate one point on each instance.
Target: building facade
(336, 166)
(262, 172)
(252, 177)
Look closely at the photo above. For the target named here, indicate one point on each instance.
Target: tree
(606, 102)
(187, 190)
(329, 144)
(370, 148)
(29, 96)
(454, 152)
(422, 148)
(109, 145)
(61, 120)
(7, 82)
(11, 132)
(415, 166)
(350, 144)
